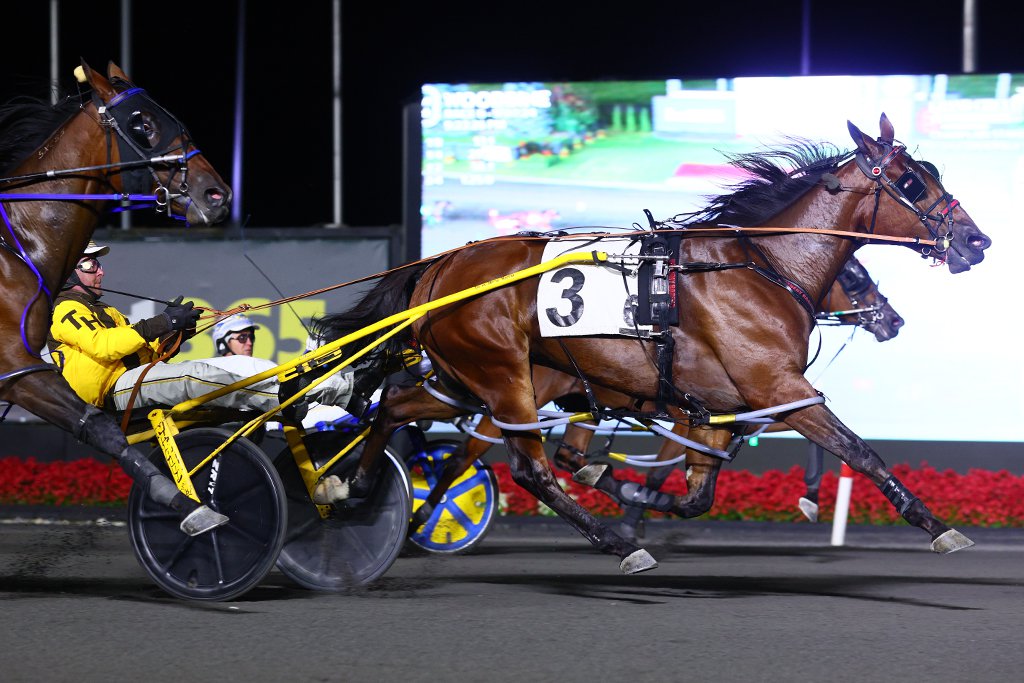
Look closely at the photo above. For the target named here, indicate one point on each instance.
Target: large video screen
(504, 157)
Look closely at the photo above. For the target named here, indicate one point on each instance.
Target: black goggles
(89, 265)
(243, 337)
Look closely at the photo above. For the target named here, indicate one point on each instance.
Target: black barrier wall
(226, 273)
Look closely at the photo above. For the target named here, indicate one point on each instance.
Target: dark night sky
(184, 55)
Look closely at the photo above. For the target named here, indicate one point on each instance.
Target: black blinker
(931, 168)
(911, 186)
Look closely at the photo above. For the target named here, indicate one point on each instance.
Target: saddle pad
(587, 299)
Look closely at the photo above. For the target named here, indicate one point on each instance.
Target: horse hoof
(330, 490)
(809, 508)
(950, 542)
(638, 561)
(201, 520)
(589, 474)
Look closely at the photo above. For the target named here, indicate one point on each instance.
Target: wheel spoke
(217, 561)
(234, 502)
(300, 530)
(185, 544)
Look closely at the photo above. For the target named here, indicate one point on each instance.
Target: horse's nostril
(214, 196)
(896, 323)
(979, 241)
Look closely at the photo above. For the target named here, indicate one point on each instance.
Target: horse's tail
(389, 296)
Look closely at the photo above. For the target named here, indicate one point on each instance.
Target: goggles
(243, 337)
(89, 265)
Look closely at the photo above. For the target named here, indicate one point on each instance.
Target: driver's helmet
(224, 328)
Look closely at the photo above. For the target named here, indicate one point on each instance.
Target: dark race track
(730, 602)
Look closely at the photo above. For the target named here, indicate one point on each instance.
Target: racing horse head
(61, 164)
(919, 195)
(855, 300)
(164, 158)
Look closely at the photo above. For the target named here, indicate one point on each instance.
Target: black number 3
(572, 294)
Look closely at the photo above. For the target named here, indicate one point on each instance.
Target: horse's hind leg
(808, 502)
(49, 396)
(701, 477)
(468, 452)
(821, 426)
(399, 405)
(513, 403)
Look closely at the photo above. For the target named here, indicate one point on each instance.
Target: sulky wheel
(353, 545)
(224, 563)
(465, 514)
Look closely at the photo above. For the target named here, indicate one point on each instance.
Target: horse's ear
(115, 72)
(862, 141)
(96, 81)
(887, 132)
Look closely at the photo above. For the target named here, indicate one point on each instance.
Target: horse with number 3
(853, 300)
(742, 339)
(60, 165)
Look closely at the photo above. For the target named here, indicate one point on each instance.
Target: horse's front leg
(49, 396)
(821, 426)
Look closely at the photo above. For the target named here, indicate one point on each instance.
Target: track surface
(729, 602)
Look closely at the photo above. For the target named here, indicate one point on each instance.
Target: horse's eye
(142, 128)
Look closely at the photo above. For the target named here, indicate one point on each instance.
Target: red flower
(978, 498)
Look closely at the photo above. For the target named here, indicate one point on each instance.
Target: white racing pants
(167, 384)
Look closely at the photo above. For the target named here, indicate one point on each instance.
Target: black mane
(26, 123)
(780, 177)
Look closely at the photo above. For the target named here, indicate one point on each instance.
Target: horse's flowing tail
(389, 296)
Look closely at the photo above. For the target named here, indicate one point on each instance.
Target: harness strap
(591, 399)
(772, 275)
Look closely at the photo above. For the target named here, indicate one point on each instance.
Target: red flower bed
(78, 482)
(978, 498)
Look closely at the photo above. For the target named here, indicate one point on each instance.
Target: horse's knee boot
(898, 494)
(155, 485)
(100, 431)
(633, 494)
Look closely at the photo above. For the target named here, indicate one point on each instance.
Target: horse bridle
(856, 284)
(907, 190)
(129, 123)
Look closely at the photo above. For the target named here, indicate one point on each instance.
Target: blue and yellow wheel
(465, 514)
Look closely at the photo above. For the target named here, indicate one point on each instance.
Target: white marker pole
(842, 504)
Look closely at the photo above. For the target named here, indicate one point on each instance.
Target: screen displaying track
(500, 158)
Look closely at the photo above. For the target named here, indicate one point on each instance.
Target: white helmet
(227, 326)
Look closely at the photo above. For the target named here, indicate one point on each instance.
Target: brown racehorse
(742, 341)
(852, 300)
(115, 140)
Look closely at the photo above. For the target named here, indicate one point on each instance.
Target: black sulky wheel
(224, 563)
(355, 544)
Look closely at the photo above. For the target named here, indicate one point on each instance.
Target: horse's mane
(26, 122)
(780, 176)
